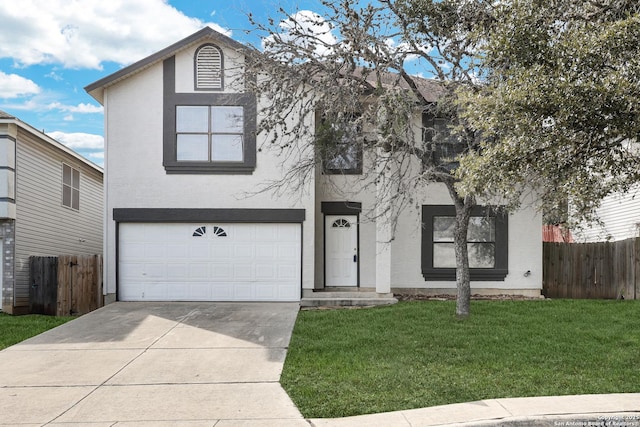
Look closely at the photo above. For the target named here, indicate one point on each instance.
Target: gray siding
(43, 226)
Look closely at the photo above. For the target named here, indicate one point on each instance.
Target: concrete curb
(559, 411)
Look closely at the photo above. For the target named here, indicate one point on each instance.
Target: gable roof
(431, 90)
(8, 118)
(96, 89)
(4, 115)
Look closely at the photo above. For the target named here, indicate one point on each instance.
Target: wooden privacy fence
(65, 285)
(592, 270)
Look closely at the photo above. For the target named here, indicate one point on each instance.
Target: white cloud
(84, 34)
(81, 108)
(68, 118)
(99, 155)
(78, 140)
(13, 86)
(297, 29)
(404, 48)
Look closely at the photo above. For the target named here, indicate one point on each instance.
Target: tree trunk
(463, 278)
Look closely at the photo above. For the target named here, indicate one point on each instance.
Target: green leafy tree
(559, 103)
(539, 96)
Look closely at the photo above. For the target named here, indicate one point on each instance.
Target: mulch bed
(448, 297)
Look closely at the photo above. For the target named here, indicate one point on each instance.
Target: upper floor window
(70, 187)
(209, 133)
(208, 68)
(444, 147)
(340, 146)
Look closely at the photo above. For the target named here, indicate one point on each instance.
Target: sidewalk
(586, 410)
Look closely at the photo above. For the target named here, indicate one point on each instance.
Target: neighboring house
(556, 234)
(51, 203)
(184, 219)
(618, 219)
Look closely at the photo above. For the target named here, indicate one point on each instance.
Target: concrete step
(336, 298)
(338, 294)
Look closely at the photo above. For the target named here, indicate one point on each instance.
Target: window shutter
(208, 68)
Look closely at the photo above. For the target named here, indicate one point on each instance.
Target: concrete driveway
(154, 364)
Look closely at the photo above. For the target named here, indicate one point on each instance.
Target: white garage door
(209, 262)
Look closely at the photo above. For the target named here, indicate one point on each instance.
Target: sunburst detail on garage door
(200, 231)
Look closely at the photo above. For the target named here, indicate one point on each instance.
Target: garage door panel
(156, 291)
(222, 292)
(267, 292)
(154, 271)
(288, 234)
(265, 272)
(289, 251)
(242, 272)
(179, 251)
(220, 252)
(177, 291)
(243, 251)
(266, 251)
(287, 271)
(177, 271)
(242, 233)
(132, 250)
(286, 293)
(199, 271)
(209, 262)
(156, 251)
(200, 291)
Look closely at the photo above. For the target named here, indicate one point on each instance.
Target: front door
(341, 250)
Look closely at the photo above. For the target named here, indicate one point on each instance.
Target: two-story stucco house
(51, 203)
(184, 220)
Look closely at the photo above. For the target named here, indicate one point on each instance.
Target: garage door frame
(185, 215)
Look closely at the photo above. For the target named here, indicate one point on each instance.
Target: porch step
(338, 298)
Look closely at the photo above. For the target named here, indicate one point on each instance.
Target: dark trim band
(213, 215)
(341, 208)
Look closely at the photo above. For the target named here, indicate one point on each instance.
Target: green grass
(14, 329)
(417, 354)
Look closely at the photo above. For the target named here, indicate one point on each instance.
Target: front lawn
(417, 354)
(14, 329)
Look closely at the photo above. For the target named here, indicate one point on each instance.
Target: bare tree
(390, 70)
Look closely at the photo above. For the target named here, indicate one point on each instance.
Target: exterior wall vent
(208, 68)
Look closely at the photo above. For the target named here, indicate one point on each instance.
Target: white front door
(341, 250)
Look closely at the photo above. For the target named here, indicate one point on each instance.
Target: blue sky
(51, 49)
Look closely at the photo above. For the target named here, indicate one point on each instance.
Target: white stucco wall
(524, 239)
(136, 177)
(525, 249)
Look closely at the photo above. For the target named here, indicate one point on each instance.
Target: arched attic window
(208, 65)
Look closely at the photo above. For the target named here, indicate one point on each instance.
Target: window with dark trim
(340, 146)
(444, 147)
(207, 133)
(487, 243)
(70, 187)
